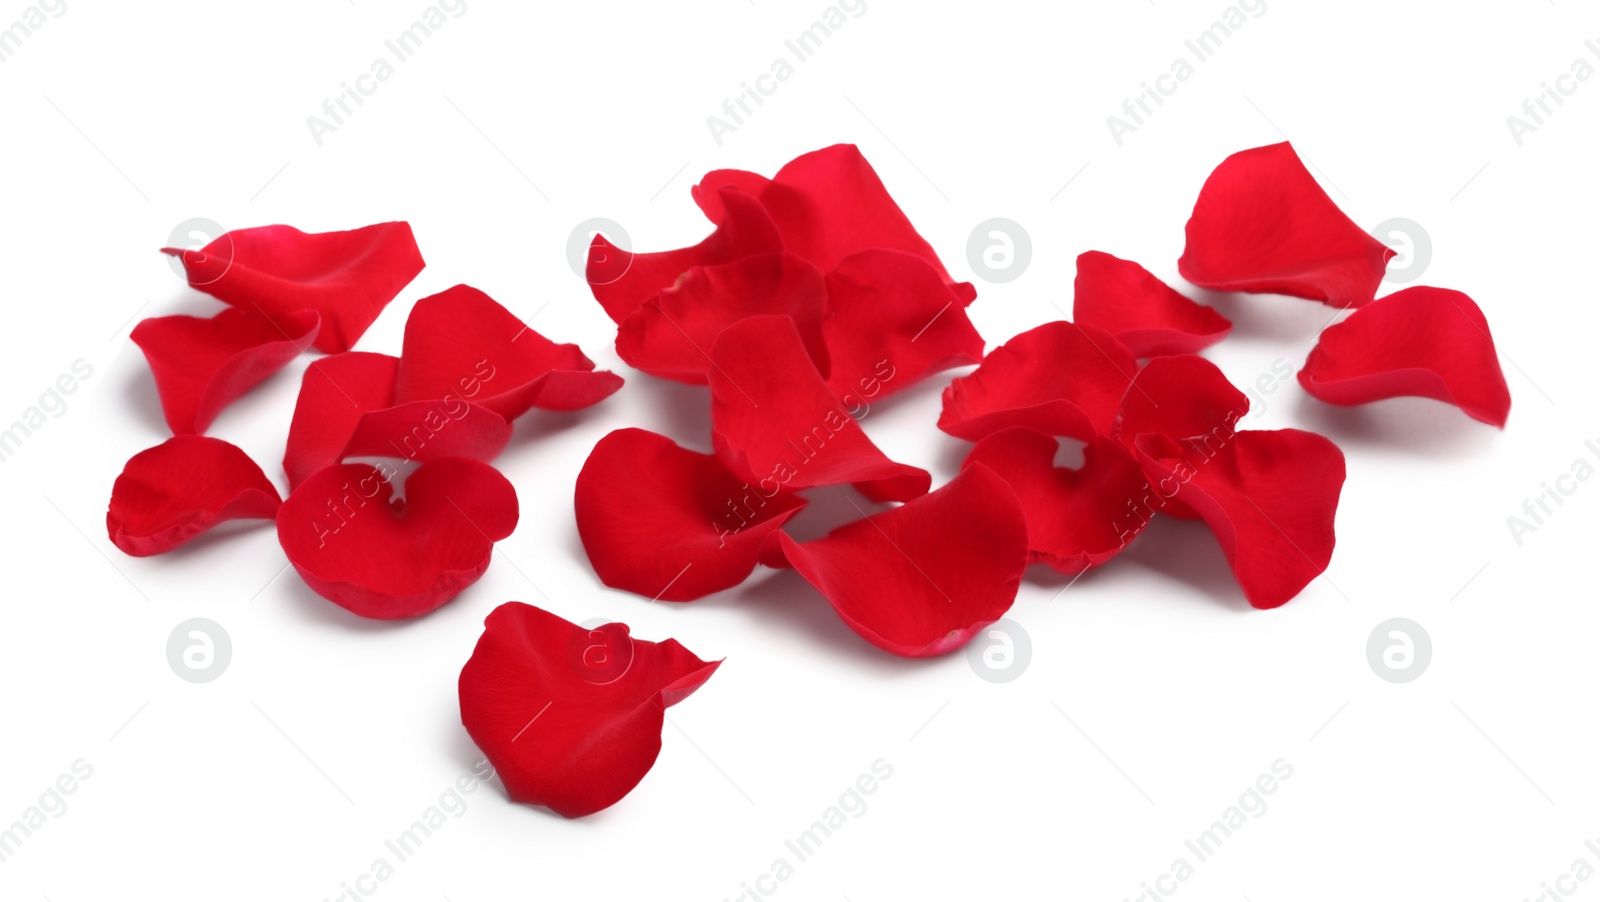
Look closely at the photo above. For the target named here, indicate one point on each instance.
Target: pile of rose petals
(468, 367)
(811, 298)
(813, 294)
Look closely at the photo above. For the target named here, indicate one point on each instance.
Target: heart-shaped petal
(177, 490)
(359, 547)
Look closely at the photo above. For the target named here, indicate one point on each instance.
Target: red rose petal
(385, 558)
(1269, 497)
(775, 423)
(1059, 378)
(171, 493)
(347, 408)
(1263, 224)
(708, 194)
(1143, 312)
(922, 579)
(892, 320)
(830, 203)
(347, 277)
(1077, 518)
(1428, 342)
(621, 281)
(1180, 397)
(202, 365)
(691, 528)
(670, 335)
(462, 343)
(571, 717)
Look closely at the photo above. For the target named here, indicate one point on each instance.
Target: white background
(1154, 697)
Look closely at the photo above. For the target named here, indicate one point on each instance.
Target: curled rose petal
(1181, 396)
(830, 203)
(1143, 312)
(923, 578)
(347, 408)
(775, 423)
(691, 528)
(570, 717)
(621, 280)
(359, 547)
(1428, 342)
(202, 365)
(892, 320)
(1077, 518)
(1059, 378)
(708, 194)
(1263, 224)
(1269, 497)
(347, 277)
(171, 493)
(462, 343)
(669, 335)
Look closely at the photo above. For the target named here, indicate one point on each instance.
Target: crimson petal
(171, 493)
(669, 335)
(690, 529)
(922, 579)
(892, 320)
(202, 365)
(1428, 342)
(708, 194)
(621, 280)
(347, 277)
(357, 546)
(1181, 396)
(347, 408)
(1077, 518)
(1269, 497)
(1059, 378)
(462, 343)
(1143, 312)
(830, 203)
(1263, 224)
(571, 717)
(776, 424)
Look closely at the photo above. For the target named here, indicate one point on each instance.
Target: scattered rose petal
(1059, 378)
(202, 365)
(1181, 396)
(380, 557)
(461, 343)
(171, 493)
(708, 194)
(1077, 518)
(670, 524)
(1263, 224)
(1428, 342)
(923, 578)
(347, 277)
(830, 204)
(621, 281)
(775, 423)
(571, 717)
(892, 320)
(347, 408)
(1146, 315)
(1269, 497)
(670, 335)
